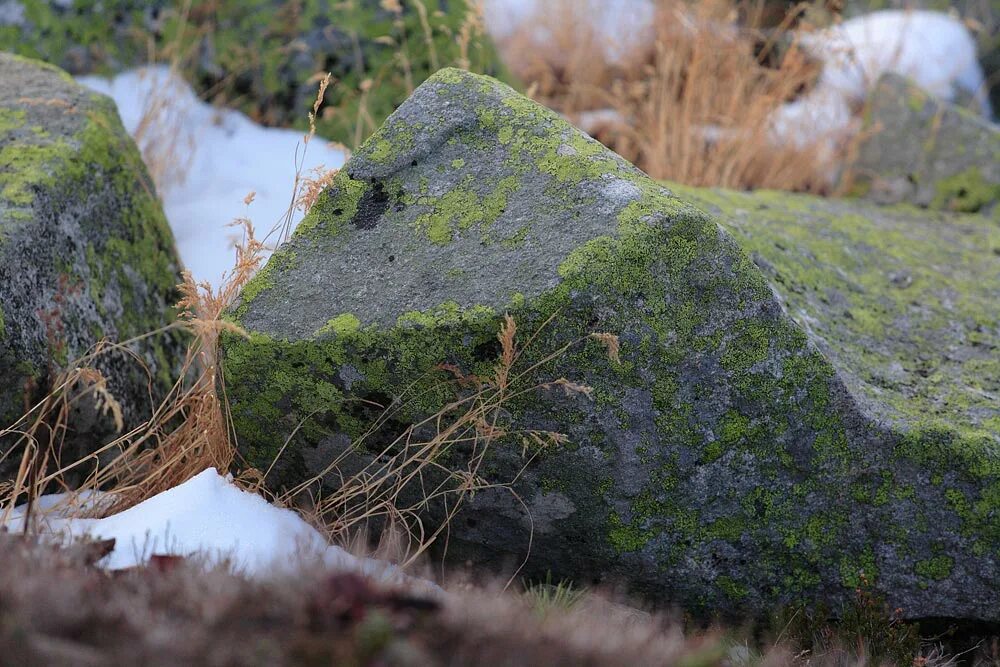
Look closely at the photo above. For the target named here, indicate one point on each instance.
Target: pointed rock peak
(469, 188)
(457, 106)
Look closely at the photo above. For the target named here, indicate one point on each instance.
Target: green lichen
(967, 191)
(735, 591)
(23, 166)
(11, 119)
(341, 325)
(937, 568)
(625, 537)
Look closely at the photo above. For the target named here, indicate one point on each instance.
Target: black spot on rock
(488, 351)
(373, 204)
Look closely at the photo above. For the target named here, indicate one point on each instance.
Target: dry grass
(188, 431)
(58, 609)
(695, 106)
(395, 487)
(166, 144)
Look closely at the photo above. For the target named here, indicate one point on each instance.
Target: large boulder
(85, 252)
(920, 149)
(262, 56)
(768, 434)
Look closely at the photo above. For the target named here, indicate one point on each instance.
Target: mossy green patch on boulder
(85, 251)
(728, 463)
(262, 56)
(921, 150)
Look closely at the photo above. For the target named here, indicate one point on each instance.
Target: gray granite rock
(792, 407)
(85, 253)
(925, 151)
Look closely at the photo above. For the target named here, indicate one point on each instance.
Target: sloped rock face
(727, 463)
(261, 56)
(85, 251)
(925, 151)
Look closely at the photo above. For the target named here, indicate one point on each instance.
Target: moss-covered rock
(768, 435)
(85, 251)
(919, 149)
(262, 56)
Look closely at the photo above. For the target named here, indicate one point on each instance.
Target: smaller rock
(85, 254)
(925, 151)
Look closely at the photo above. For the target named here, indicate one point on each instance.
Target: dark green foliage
(261, 55)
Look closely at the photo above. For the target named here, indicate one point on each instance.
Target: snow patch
(208, 517)
(622, 26)
(933, 49)
(223, 156)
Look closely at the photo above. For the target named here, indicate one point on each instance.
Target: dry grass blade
(399, 481)
(697, 106)
(188, 431)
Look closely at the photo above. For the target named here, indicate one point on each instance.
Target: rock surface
(768, 434)
(925, 151)
(260, 56)
(85, 251)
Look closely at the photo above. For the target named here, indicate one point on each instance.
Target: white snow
(223, 155)
(933, 49)
(208, 517)
(620, 25)
(821, 118)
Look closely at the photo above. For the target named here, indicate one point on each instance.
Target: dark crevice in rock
(373, 204)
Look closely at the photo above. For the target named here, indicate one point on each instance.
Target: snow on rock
(820, 118)
(622, 26)
(208, 517)
(221, 155)
(933, 49)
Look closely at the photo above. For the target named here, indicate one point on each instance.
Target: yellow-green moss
(966, 191)
(938, 567)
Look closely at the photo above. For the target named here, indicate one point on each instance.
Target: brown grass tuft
(695, 106)
(400, 480)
